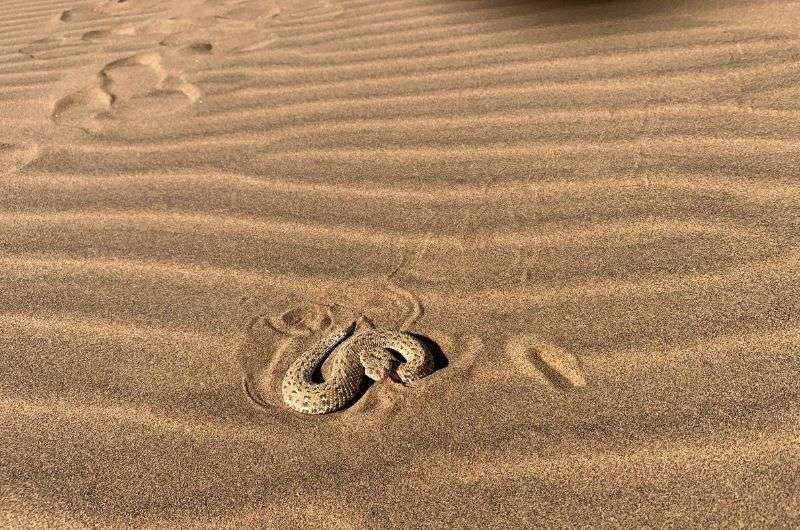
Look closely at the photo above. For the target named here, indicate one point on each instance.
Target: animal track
(103, 34)
(141, 86)
(79, 106)
(44, 48)
(142, 76)
(104, 9)
(302, 320)
(135, 87)
(379, 300)
(539, 358)
(242, 28)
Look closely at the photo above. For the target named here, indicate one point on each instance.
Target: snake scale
(356, 354)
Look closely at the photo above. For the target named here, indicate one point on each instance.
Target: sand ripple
(591, 208)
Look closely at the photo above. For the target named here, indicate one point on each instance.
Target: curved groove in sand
(235, 132)
(526, 97)
(493, 43)
(66, 324)
(633, 363)
(23, 266)
(612, 232)
(77, 409)
(489, 37)
(497, 28)
(490, 80)
(495, 55)
(425, 24)
(500, 298)
(723, 450)
(193, 222)
(432, 194)
(58, 67)
(490, 150)
(188, 273)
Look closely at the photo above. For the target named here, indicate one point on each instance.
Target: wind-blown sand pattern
(590, 208)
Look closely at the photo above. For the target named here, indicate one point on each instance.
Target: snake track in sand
(356, 354)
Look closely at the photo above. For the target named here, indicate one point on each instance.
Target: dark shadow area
(439, 359)
(554, 376)
(581, 19)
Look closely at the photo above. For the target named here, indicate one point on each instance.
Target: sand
(590, 210)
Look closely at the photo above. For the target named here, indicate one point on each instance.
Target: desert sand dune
(588, 210)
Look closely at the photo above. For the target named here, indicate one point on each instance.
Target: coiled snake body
(356, 354)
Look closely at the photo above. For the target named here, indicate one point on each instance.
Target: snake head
(380, 364)
(402, 375)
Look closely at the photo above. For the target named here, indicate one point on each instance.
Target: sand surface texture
(590, 209)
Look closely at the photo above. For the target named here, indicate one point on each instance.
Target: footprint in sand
(148, 32)
(547, 361)
(232, 27)
(144, 78)
(142, 86)
(108, 34)
(43, 48)
(136, 87)
(81, 106)
(302, 320)
(105, 9)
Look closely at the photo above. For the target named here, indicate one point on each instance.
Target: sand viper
(356, 353)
